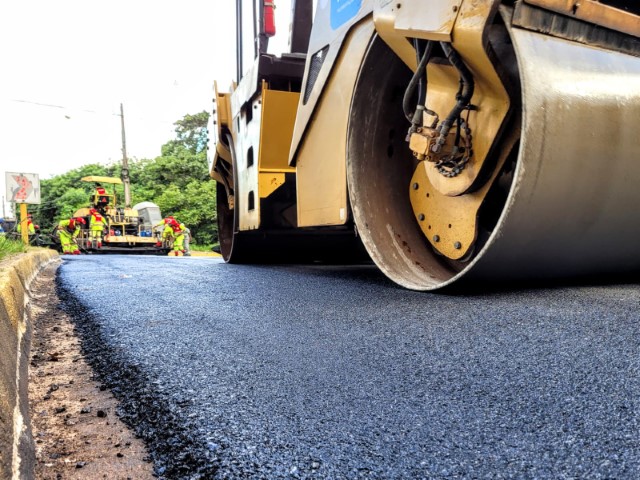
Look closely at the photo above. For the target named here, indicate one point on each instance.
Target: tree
(192, 131)
(183, 186)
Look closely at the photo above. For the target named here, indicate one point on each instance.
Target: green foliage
(203, 247)
(177, 181)
(195, 206)
(192, 131)
(72, 200)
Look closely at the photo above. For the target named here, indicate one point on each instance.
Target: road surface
(335, 373)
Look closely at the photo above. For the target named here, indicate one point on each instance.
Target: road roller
(481, 140)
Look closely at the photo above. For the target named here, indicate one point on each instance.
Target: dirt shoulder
(73, 418)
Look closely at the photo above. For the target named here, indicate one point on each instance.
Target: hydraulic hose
(417, 78)
(462, 100)
(422, 79)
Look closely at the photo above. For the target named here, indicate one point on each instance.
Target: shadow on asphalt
(371, 275)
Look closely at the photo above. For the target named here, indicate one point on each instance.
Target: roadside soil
(75, 427)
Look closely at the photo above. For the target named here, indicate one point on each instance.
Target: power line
(59, 106)
(62, 107)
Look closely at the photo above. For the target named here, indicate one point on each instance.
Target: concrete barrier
(17, 450)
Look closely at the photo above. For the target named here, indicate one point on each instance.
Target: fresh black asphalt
(335, 373)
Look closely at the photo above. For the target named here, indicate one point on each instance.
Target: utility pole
(125, 164)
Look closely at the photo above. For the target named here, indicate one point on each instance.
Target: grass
(202, 248)
(10, 247)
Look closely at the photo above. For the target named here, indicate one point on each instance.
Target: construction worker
(165, 229)
(101, 198)
(187, 239)
(156, 229)
(97, 224)
(187, 236)
(175, 230)
(162, 224)
(31, 228)
(69, 230)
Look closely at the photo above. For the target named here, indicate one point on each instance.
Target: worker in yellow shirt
(176, 231)
(68, 231)
(97, 224)
(165, 230)
(31, 228)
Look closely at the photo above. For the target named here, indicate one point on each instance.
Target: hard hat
(29, 215)
(80, 220)
(92, 210)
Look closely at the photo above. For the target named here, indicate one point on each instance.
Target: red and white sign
(23, 187)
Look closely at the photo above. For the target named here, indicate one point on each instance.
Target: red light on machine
(269, 18)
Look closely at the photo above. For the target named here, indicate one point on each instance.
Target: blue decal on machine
(342, 11)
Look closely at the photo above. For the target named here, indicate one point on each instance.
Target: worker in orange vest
(177, 231)
(101, 197)
(97, 223)
(31, 228)
(68, 231)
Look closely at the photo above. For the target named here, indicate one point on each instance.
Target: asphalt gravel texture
(321, 372)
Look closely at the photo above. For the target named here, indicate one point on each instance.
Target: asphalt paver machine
(127, 230)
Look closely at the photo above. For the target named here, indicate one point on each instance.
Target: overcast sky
(68, 64)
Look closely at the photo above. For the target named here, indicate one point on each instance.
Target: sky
(67, 65)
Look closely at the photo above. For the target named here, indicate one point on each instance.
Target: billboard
(23, 187)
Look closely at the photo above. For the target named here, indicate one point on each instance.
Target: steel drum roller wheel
(379, 173)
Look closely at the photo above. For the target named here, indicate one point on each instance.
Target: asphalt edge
(17, 449)
(151, 413)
